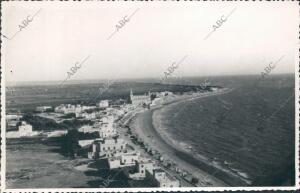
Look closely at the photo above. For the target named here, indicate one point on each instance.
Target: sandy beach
(154, 137)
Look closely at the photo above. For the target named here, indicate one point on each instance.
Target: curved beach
(147, 128)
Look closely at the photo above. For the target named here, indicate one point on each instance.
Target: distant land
(145, 80)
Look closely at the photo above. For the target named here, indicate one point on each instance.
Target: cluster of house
(105, 127)
(109, 145)
(140, 168)
(98, 114)
(83, 111)
(68, 108)
(80, 110)
(115, 150)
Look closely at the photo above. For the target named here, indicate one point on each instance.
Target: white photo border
(180, 189)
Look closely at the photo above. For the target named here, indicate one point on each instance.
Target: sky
(158, 34)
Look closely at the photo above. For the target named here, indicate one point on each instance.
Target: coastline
(148, 132)
(146, 128)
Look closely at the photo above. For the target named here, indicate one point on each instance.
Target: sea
(248, 132)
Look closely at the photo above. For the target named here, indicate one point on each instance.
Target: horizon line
(74, 81)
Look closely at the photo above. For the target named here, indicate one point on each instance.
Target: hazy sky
(159, 33)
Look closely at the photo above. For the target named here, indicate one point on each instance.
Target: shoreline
(143, 126)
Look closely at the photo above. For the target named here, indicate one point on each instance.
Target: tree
(152, 96)
(70, 144)
(195, 180)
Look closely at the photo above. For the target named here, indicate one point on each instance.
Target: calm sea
(249, 132)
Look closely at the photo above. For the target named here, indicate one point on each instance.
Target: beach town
(105, 134)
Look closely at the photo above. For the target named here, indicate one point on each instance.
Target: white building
(107, 128)
(116, 112)
(65, 109)
(143, 166)
(25, 129)
(104, 104)
(12, 120)
(214, 89)
(163, 94)
(107, 119)
(88, 116)
(162, 179)
(138, 100)
(13, 117)
(68, 108)
(87, 129)
(86, 142)
(123, 160)
(56, 133)
(106, 148)
(43, 108)
(119, 112)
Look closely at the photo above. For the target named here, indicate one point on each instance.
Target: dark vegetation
(41, 123)
(109, 178)
(68, 116)
(44, 124)
(69, 142)
(152, 96)
(46, 111)
(76, 123)
(195, 180)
